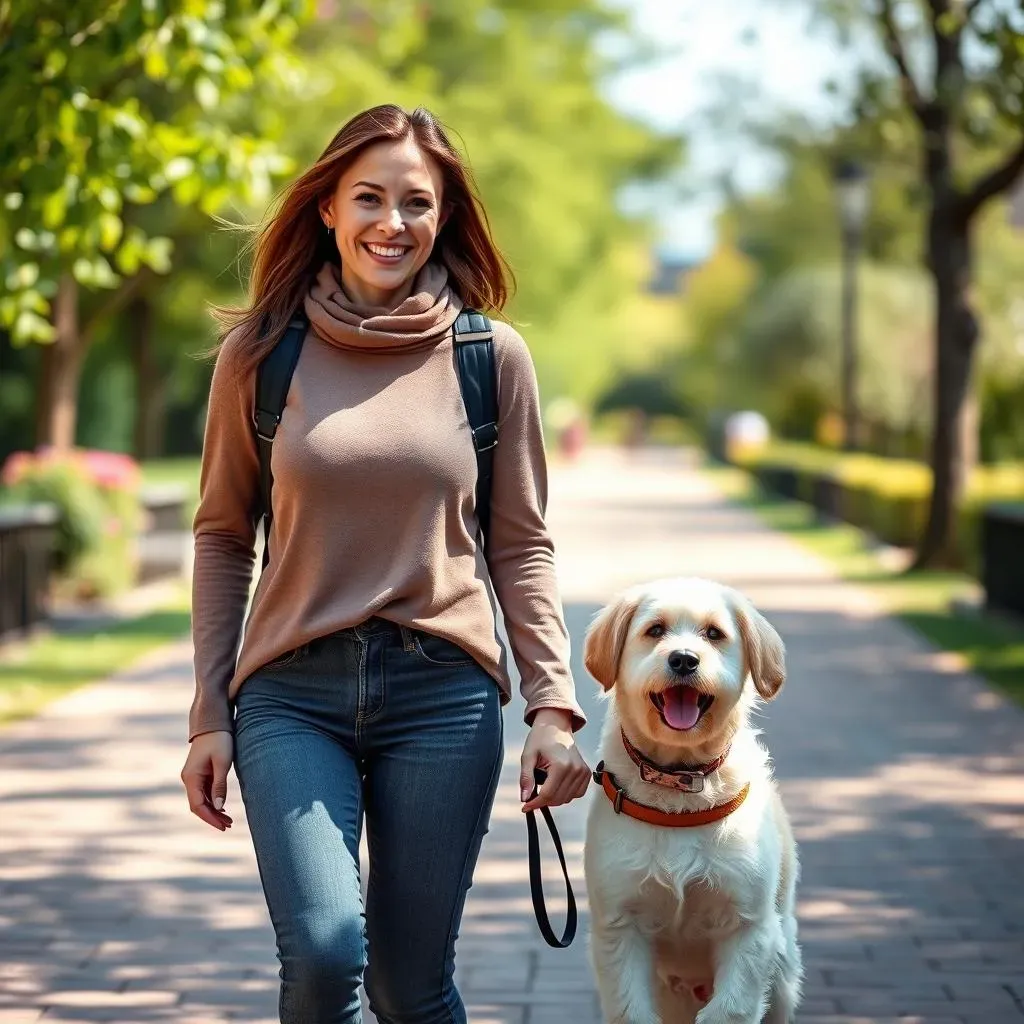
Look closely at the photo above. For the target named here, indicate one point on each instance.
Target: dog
(690, 863)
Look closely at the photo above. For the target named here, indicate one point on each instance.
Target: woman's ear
(326, 209)
(602, 650)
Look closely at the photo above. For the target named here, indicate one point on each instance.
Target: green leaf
(25, 238)
(158, 254)
(110, 231)
(24, 276)
(13, 200)
(54, 208)
(207, 93)
(178, 168)
(83, 271)
(30, 327)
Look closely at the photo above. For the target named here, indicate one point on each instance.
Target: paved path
(904, 777)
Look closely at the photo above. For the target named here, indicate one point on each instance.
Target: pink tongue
(681, 710)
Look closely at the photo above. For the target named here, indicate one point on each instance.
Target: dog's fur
(691, 924)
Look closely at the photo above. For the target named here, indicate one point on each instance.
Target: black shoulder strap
(273, 378)
(474, 354)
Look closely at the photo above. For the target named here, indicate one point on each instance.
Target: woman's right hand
(206, 776)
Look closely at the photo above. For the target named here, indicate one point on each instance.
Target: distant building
(670, 273)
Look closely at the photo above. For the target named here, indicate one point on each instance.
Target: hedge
(886, 497)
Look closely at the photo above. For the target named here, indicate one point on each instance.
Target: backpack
(474, 359)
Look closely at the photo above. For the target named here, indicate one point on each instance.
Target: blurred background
(788, 236)
(769, 256)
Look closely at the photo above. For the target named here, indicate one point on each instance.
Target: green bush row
(888, 498)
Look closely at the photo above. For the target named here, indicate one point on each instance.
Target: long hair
(292, 245)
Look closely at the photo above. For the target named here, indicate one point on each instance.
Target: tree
(956, 67)
(111, 105)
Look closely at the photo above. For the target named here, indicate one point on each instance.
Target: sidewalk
(905, 781)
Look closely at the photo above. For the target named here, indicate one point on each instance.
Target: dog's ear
(606, 637)
(764, 653)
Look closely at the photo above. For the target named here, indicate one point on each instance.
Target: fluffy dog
(691, 867)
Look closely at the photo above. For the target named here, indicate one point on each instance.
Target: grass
(51, 665)
(924, 600)
(183, 471)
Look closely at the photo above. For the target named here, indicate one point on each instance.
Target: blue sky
(769, 45)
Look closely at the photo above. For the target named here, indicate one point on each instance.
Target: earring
(330, 229)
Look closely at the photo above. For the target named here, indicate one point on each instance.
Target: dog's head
(678, 654)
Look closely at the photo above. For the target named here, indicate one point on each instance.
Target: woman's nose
(393, 222)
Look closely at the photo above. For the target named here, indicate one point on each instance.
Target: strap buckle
(266, 424)
(485, 437)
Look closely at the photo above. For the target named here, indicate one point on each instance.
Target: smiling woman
(371, 675)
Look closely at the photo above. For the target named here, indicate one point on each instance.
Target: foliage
(111, 106)
(97, 497)
(889, 497)
(791, 344)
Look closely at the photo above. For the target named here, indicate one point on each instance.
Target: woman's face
(386, 213)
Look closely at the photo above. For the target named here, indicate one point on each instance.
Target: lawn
(924, 600)
(52, 664)
(183, 471)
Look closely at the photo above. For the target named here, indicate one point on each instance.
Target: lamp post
(853, 192)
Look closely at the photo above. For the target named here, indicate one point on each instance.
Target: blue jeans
(405, 729)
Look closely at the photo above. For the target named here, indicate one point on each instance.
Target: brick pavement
(904, 777)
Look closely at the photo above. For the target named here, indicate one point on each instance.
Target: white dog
(691, 866)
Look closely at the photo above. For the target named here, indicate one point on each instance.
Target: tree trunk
(150, 391)
(957, 335)
(61, 371)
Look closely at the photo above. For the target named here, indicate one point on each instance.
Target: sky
(768, 44)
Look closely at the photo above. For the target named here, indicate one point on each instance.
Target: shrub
(97, 497)
(887, 497)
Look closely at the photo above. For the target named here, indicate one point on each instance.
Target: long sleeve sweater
(374, 513)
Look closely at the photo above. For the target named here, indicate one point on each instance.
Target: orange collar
(655, 816)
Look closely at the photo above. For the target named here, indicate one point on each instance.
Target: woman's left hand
(551, 747)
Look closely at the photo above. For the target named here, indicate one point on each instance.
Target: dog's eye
(714, 634)
(657, 631)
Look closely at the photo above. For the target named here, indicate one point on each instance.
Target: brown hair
(293, 245)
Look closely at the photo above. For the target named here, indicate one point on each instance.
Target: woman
(371, 678)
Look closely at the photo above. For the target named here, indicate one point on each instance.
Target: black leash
(536, 883)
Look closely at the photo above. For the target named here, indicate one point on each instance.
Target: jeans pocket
(435, 650)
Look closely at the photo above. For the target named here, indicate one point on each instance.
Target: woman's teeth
(385, 250)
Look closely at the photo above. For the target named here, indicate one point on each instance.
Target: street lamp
(853, 192)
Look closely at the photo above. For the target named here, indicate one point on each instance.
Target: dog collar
(686, 778)
(654, 815)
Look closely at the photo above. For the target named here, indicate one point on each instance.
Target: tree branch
(114, 303)
(999, 179)
(894, 46)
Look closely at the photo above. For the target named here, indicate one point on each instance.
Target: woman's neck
(364, 294)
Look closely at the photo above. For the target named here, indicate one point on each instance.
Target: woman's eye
(367, 196)
(657, 631)
(714, 634)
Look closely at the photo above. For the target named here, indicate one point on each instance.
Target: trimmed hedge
(886, 497)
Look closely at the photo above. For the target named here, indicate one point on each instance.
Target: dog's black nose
(683, 662)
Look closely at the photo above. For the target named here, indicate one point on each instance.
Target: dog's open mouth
(681, 707)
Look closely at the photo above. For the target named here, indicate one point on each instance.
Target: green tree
(955, 68)
(110, 107)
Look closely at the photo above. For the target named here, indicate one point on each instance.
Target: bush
(97, 496)
(886, 497)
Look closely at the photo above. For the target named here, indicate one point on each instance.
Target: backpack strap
(273, 378)
(474, 354)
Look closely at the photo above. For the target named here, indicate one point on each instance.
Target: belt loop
(408, 643)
